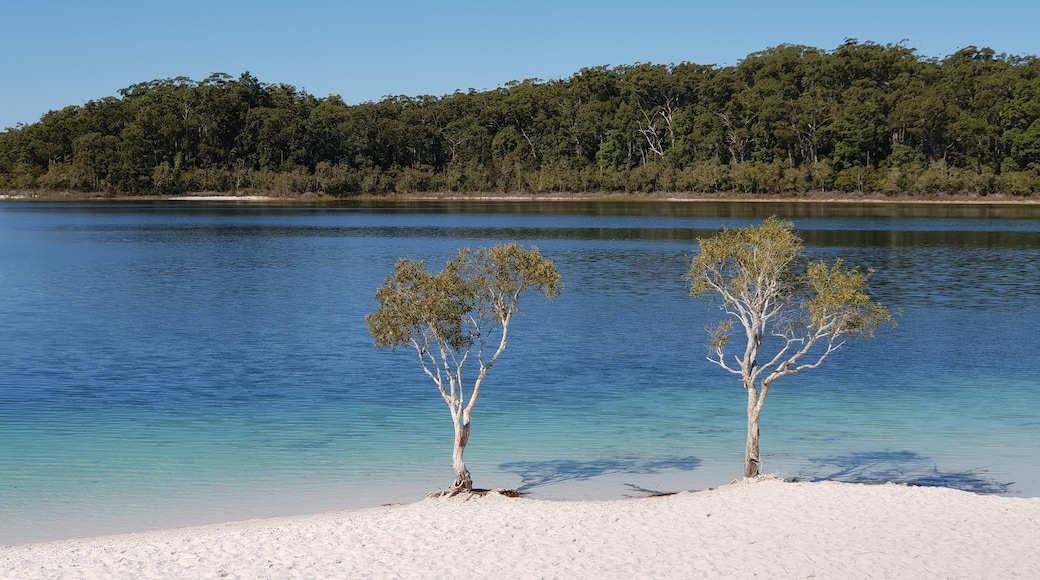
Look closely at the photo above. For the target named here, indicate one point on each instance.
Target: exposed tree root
(469, 493)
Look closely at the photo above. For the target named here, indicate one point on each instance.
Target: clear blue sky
(67, 52)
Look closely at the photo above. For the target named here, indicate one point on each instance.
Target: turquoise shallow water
(168, 364)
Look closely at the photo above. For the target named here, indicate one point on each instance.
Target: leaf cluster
(462, 305)
(757, 276)
(751, 265)
(418, 306)
(839, 299)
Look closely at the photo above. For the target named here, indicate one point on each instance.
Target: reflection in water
(903, 238)
(717, 209)
(638, 208)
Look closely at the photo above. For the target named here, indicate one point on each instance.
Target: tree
(456, 314)
(788, 312)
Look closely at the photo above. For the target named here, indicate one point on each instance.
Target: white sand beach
(760, 529)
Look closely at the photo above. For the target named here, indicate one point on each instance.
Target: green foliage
(840, 300)
(750, 266)
(756, 275)
(787, 120)
(418, 307)
(477, 292)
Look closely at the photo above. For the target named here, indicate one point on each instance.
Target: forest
(789, 120)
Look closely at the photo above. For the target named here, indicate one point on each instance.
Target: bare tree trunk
(752, 460)
(463, 480)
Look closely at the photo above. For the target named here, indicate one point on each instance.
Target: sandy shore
(762, 529)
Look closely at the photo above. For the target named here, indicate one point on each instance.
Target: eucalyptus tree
(461, 313)
(794, 314)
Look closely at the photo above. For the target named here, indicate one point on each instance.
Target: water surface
(169, 364)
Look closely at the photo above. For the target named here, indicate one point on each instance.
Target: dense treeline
(791, 119)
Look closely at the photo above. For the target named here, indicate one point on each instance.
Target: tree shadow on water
(899, 467)
(538, 473)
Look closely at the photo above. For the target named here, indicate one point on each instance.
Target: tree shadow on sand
(899, 467)
(538, 473)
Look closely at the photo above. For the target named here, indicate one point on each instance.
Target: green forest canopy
(791, 119)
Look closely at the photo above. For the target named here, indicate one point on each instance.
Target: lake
(178, 363)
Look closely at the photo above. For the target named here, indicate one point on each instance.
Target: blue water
(169, 364)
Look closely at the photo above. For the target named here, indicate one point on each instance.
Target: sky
(67, 52)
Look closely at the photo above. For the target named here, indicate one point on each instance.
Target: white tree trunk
(463, 480)
(752, 459)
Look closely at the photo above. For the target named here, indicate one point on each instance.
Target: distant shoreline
(671, 197)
